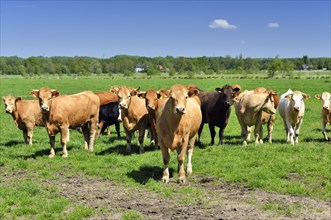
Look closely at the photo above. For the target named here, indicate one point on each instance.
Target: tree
(274, 66)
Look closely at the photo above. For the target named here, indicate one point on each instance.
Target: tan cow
(26, 114)
(134, 115)
(292, 109)
(62, 112)
(151, 98)
(249, 106)
(177, 122)
(267, 118)
(326, 111)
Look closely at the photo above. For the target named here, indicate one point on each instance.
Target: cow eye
(186, 96)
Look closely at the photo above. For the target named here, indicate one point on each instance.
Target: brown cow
(151, 98)
(26, 114)
(177, 122)
(62, 112)
(133, 113)
(106, 97)
(249, 106)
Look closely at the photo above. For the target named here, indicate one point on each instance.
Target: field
(268, 181)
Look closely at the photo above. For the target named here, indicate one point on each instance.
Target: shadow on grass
(45, 152)
(146, 173)
(121, 149)
(14, 143)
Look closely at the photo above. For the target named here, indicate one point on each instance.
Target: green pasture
(303, 169)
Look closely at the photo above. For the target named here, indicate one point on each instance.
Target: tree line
(127, 65)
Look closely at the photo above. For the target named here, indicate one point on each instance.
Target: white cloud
(221, 23)
(273, 25)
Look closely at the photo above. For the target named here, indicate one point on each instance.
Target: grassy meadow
(301, 170)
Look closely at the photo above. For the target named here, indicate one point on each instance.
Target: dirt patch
(219, 201)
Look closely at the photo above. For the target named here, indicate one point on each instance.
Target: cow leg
(200, 131)
(258, 132)
(270, 126)
(85, 131)
(128, 136)
(189, 155)
(101, 128)
(166, 158)
(52, 143)
(25, 136)
(181, 151)
(297, 131)
(324, 131)
(64, 134)
(29, 134)
(117, 127)
(141, 136)
(212, 133)
(221, 134)
(248, 137)
(92, 132)
(154, 134)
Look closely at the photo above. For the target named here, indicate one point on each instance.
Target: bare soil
(219, 201)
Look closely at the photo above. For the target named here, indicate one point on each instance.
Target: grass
(303, 169)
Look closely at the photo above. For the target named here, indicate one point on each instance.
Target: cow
(267, 118)
(216, 109)
(134, 115)
(326, 111)
(292, 109)
(106, 97)
(61, 112)
(178, 119)
(108, 115)
(151, 98)
(249, 106)
(26, 114)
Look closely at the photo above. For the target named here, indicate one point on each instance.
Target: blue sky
(257, 29)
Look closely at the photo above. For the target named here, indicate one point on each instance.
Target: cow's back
(76, 109)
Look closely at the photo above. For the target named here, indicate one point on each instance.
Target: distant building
(305, 67)
(139, 68)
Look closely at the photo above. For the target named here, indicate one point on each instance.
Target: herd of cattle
(174, 117)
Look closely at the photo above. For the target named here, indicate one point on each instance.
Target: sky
(256, 29)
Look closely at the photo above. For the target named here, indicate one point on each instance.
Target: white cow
(292, 109)
(326, 111)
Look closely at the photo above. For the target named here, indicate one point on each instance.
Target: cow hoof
(244, 143)
(165, 179)
(182, 179)
(65, 155)
(51, 155)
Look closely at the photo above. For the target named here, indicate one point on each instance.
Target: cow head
(227, 93)
(269, 103)
(124, 95)
(178, 96)
(296, 100)
(326, 99)
(10, 103)
(151, 97)
(45, 96)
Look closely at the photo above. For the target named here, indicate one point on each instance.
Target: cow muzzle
(150, 107)
(180, 110)
(123, 106)
(45, 108)
(296, 108)
(8, 111)
(326, 108)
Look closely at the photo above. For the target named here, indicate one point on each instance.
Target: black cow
(216, 109)
(108, 115)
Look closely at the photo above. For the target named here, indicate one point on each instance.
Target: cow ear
(141, 95)
(163, 93)
(305, 96)
(55, 93)
(218, 89)
(193, 92)
(236, 88)
(4, 98)
(318, 96)
(133, 92)
(18, 98)
(114, 89)
(34, 93)
(289, 96)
